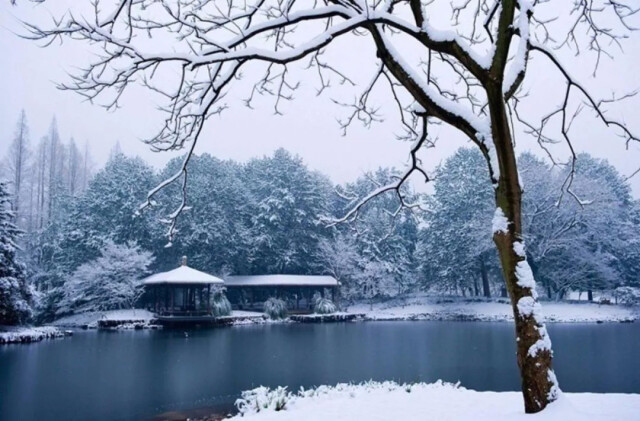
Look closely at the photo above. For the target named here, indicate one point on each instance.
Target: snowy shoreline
(413, 308)
(428, 308)
(26, 334)
(424, 401)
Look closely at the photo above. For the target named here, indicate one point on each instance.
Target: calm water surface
(136, 375)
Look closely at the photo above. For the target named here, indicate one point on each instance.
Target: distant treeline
(274, 215)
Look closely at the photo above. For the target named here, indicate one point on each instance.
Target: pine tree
(290, 200)
(15, 294)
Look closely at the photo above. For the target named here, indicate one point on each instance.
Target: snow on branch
(396, 186)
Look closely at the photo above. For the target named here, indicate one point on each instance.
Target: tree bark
(485, 278)
(534, 353)
(476, 289)
(589, 295)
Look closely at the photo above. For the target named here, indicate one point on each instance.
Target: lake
(136, 375)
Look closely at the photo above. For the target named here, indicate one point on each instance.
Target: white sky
(309, 127)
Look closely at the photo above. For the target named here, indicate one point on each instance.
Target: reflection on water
(137, 374)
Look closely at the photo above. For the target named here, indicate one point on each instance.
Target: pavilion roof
(182, 275)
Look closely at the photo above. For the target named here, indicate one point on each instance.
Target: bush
(220, 305)
(275, 308)
(628, 295)
(324, 306)
(263, 399)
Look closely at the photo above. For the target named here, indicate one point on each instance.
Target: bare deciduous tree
(17, 161)
(468, 77)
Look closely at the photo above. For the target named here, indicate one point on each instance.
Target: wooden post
(209, 298)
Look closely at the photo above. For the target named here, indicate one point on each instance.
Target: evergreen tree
(456, 250)
(285, 225)
(214, 231)
(15, 295)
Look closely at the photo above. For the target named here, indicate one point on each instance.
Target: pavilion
(251, 291)
(182, 292)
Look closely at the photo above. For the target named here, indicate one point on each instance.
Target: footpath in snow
(426, 402)
(423, 307)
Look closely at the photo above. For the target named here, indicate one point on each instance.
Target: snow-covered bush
(628, 295)
(220, 305)
(324, 306)
(275, 308)
(110, 282)
(263, 399)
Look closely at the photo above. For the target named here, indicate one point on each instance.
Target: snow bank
(30, 334)
(422, 307)
(90, 319)
(439, 401)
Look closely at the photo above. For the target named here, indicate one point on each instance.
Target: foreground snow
(90, 319)
(423, 307)
(23, 334)
(423, 402)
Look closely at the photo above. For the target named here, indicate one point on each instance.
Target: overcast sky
(309, 127)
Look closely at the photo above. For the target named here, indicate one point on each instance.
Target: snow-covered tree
(385, 232)
(286, 224)
(455, 251)
(106, 211)
(17, 166)
(214, 232)
(15, 294)
(469, 76)
(112, 281)
(338, 256)
(572, 244)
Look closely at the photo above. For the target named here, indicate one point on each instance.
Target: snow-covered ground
(24, 334)
(414, 307)
(90, 319)
(425, 402)
(423, 307)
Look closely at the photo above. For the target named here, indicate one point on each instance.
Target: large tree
(16, 164)
(15, 295)
(467, 77)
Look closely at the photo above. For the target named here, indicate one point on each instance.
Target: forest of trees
(79, 238)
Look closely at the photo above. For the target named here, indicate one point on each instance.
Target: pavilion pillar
(209, 298)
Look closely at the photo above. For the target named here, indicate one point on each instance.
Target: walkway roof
(281, 280)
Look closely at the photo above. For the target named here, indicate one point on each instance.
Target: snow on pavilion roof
(281, 280)
(182, 275)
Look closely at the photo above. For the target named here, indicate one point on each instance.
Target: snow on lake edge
(435, 401)
(437, 308)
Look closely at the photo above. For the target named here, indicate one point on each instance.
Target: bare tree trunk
(534, 355)
(476, 289)
(485, 279)
(42, 163)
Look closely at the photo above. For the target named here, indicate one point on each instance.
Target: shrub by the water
(275, 308)
(324, 306)
(220, 305)
(263, 399)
